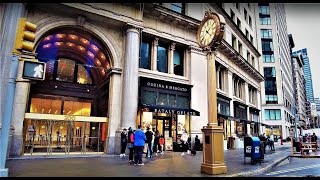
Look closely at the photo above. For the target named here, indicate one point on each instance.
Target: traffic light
(25, 35)
(34, 70)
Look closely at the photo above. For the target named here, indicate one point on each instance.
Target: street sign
(33, 70)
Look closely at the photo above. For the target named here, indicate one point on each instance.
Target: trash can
(252, 148)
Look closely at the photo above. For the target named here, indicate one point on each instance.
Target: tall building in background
(307, 73)
(317, 101)
(278, 101)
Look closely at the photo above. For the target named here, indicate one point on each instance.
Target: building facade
(115, 66)
(307, 73)
(278, 101)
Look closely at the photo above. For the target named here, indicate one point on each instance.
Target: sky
(304, 25)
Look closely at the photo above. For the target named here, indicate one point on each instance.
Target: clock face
(207, 33)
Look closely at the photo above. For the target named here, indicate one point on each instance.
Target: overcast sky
(304, 25)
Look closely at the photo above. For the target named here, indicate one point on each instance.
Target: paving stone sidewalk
(167, 165)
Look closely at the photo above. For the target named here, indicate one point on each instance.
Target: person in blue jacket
(139, 141)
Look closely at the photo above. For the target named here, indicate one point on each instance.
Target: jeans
(138, 151)
(150, 148)
(272, 145)
(131, 150)
(123, 147)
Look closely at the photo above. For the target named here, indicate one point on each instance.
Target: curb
(61, 156)
(261, 170)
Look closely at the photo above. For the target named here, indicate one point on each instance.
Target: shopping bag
(145, 149)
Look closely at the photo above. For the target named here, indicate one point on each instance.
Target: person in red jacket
(161, 142)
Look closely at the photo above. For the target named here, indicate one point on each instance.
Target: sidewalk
(170, 164)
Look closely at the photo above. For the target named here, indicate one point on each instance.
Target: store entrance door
(164, 126)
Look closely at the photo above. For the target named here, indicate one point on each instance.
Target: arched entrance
(68, 112)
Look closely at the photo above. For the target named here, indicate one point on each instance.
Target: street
(295, 167)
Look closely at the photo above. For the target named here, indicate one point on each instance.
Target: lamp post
(210, 34)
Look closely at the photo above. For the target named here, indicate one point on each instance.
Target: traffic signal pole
(8, 114)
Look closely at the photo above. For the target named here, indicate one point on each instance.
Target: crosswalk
(292, 170)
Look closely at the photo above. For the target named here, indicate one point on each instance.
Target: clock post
(210, 34)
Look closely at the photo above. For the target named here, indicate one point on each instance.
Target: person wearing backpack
(130, 145)
(124, 141)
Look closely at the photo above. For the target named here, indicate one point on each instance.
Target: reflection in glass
(83, 75)
(162, 64)
(65, 71)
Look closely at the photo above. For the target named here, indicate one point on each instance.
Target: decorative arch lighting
(97, 62)
(58, 43)
(70, 44)
(103, 72)
(48, 38)
(90, 54)
(102, 56)
(81, 48)
(94, 47)
(84, 41)
(60, 36)
(47, 45)
(73, 37)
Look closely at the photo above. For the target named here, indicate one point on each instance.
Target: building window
(268, 58)
(65, 70)
(238, 6)
(272, 114)
(240, 48)
(247, 34)
(271, 99)
(83, 75)
(251, 39)
(264, 10)
(270, 86)
(266, 33)
(253, 63)
(239, 23)
(265, 21)
(250, 21)
(178, 7)
(178, 62)
(238, 87)
(245, 14)
(267, 45)
(183, 101)
(162, 59)
(232, 15)
(148, 97)
(234, 42)
(145, 56)
(269, 72)
(248, 56)
(252, 95)
(249, 6)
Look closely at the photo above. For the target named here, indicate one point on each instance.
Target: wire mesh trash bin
(253, 149)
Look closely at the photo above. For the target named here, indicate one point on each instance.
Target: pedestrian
(272, 142)
(156, 147)
(139, 141)
(124, 141)
(197, 143)
(161, 143)
(149, 135)
(263, 141)
(130, 145)
(184, 139)
(314, 140)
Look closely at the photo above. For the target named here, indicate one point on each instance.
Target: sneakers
(182, 154)
(122, 155)
(142, 164)
(162, 153)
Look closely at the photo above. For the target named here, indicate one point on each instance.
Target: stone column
(154, 54)
(246, 90)
(230, 95)
(114, 112)
(170, 59)
(186, 63)
(218, 76)
(129, 105)
(18, 112)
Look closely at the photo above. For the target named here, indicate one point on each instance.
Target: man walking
(149, 135)
(272, 142)
(139, 141)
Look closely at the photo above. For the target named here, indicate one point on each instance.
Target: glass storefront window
(183, 101)
(148, 97)
(83, 75)
(162, 99)
(147, 118)
(50, 69)
(65, 71)
(45, 106)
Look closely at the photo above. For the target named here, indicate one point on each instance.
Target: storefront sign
(164, 86)
(169, 144)
(179, 112)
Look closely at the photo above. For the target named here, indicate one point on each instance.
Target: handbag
(130, 145)
(145, 149)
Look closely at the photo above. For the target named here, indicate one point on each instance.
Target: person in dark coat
(124, 141)
(197, 143)
(130, 145)
(149, 136)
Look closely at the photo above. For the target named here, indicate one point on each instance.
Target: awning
(169, 110)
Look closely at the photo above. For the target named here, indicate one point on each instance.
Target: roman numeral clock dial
(209, 30)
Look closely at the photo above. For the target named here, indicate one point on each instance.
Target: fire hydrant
(281, 140)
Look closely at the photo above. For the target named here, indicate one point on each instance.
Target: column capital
(132, 28)
(172, 46)
(155, 41)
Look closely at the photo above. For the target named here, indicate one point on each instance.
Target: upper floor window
(264, 10)
(145, 54)
(253, 63)
(240, 48)
(232, 15)
(247, 33)
(266, 33)
(238, 5)
(272, 114)
(265, 21)
(162, 59)
(178, 7)
(251, 39)
(178, 62)
(239, 23)
(267, 45)
(269, 72)
(250, 21)
(267, 58)
(234, 42)
(245, 14)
